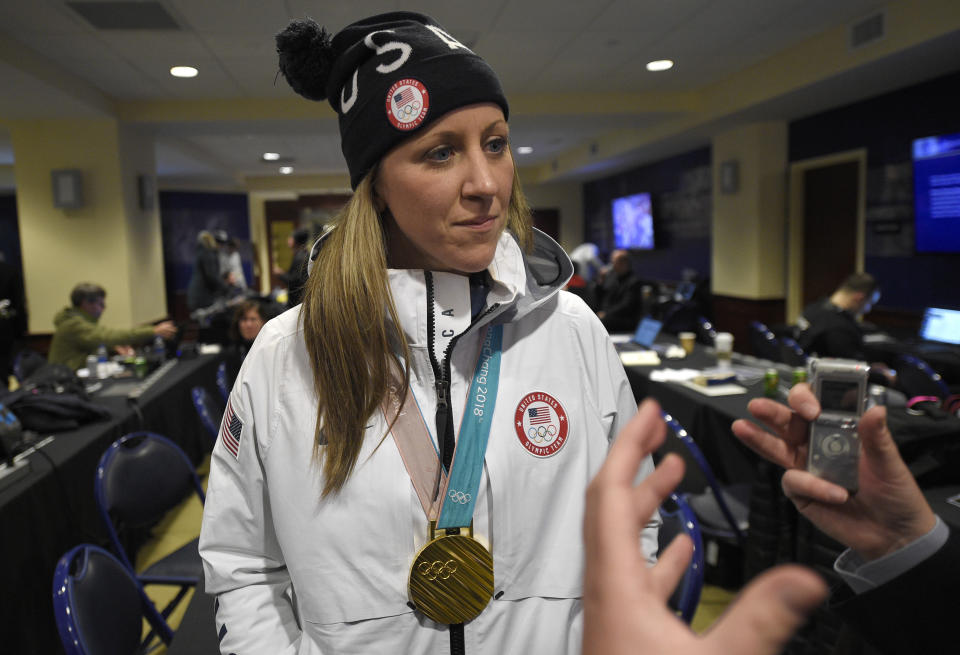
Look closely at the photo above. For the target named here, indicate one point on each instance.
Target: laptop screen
(646, 332)
(941, 325)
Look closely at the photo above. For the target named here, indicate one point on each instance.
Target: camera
(834, 448)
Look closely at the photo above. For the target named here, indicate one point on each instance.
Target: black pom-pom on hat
(306, 57)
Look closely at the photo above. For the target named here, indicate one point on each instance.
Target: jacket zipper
(441, 375)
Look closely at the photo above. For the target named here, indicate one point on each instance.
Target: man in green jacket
(78, 333)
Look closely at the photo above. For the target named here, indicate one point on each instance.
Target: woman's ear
(378, 202)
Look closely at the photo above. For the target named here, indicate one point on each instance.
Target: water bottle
(101, 354)
(92, 367)
(100, 370)
(159, 348)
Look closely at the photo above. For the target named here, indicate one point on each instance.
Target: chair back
(141, 476)
(916, 378)
(222, 385)
(207, 411)
(791, 353)
(706, 331)
(680, 519)
(764, 342)
(99, 606)
(697, 455)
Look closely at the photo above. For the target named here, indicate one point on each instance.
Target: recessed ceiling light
(286, 170)
(183, 71)
(524, 150)
(660, 65)
(271, 156)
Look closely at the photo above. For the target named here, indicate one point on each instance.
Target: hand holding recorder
(625, 601)
(887, 512)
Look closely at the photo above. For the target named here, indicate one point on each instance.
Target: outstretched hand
(887, 512)
(625, 601)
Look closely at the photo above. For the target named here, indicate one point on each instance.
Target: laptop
(646, 333)
(941, 325)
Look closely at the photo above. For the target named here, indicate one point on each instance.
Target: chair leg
(173, 603)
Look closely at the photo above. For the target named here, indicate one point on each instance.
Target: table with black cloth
(777, 533)
(52, 508)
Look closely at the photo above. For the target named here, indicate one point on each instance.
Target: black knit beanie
(386, 76)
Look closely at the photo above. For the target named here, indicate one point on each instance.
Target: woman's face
(250, 324)
(446, 192)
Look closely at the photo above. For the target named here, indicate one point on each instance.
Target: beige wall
(104, 241)
(568, 198)
(748, 258)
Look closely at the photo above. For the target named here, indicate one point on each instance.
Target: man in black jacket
(829, 327)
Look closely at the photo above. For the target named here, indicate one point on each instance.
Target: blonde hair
(352, 329)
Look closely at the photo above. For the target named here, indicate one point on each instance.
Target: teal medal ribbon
(467, 465)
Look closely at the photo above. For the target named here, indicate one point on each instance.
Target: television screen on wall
(936, 193)
(633, 222)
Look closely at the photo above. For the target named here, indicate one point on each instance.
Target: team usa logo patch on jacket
(407, 104)
(541, 424)
(230, 431)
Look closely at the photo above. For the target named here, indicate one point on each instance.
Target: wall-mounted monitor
(936, 193)
(633, 222)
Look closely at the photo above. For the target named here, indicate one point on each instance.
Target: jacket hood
(68, 313)
(532, 277)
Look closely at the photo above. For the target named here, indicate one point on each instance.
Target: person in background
(431, 298)
(619, 294)
(830, 327)
(900, 566)
(230, 261)
(78, 332)
(295, 277)
(248, 318)
(207, 283)
(625, 600)
(13, 316)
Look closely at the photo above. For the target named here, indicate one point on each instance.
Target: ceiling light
(524, 150)
(271, 156)
(660, 65)
(286, 170)
(183, 71)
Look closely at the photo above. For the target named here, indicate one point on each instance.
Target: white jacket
(296, 574)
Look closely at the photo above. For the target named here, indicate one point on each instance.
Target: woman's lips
(478, 222)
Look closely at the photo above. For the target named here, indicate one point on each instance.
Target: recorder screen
(839, 396)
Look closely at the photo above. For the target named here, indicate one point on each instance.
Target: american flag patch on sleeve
(230, 431)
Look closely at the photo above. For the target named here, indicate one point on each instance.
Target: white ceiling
(570, 48)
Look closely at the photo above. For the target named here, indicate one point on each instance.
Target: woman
(432, 320)
(206, 282)
(248, 319)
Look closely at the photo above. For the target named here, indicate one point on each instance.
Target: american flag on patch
(230, 431)
(538, 415)
(402, 98)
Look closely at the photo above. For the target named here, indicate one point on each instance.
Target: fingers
(638, 438)
(763, 443)
(804, 402)
(768, 612)
(876, 440)
(671, 564)
(780, 420)
(649, 494)
(801, 486)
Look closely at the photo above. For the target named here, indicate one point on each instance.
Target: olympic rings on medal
(459, 497)
(437, 569)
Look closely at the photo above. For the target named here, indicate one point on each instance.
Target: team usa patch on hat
(407, 104)
(541, 424)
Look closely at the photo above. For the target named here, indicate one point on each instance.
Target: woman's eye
(497, 145)
(440, 154)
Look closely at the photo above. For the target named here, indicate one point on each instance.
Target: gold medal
(451, 579)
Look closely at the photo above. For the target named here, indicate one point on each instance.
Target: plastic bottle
(159, 348)
(101, 354)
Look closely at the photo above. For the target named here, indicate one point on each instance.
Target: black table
(52, 508)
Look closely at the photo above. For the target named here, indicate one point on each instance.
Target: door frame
(795, 220)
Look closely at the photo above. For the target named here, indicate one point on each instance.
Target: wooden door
(830, 197)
